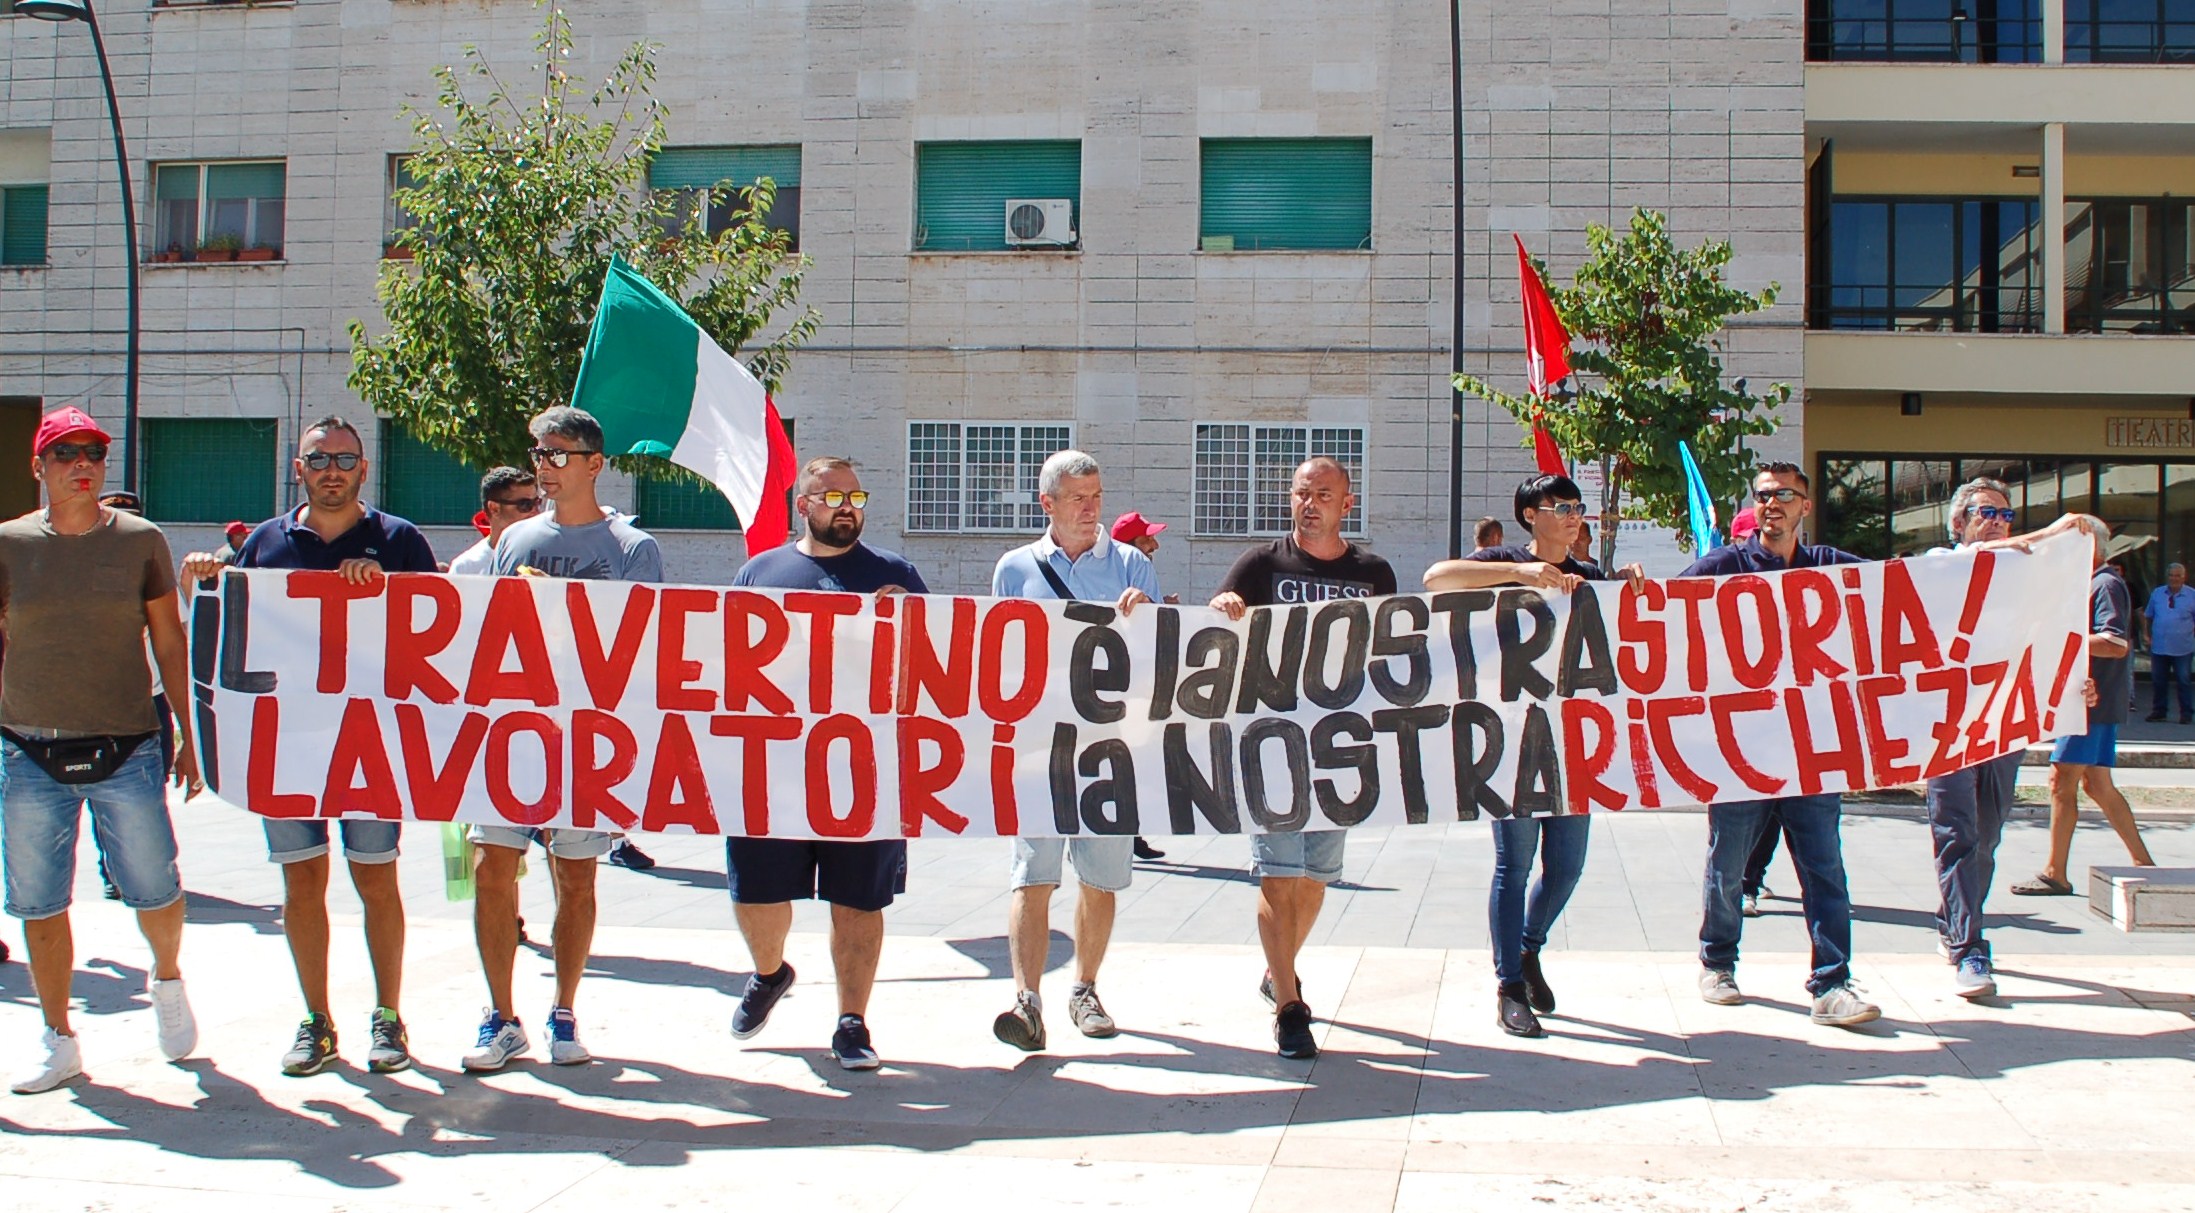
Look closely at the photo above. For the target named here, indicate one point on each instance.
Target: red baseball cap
(61, 423)
(1744, 523)
(237, 528)
(1132, 526)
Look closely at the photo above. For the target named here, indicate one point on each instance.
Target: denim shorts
(1106, 863)
(2098, 747)
(1312, 854)
(39, 819)
(563, 842)
(293, 841)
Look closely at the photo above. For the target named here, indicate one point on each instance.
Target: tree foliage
(517, 202)
(1644, 319)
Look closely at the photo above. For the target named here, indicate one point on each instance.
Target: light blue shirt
(1101, 574)
(2171, 621)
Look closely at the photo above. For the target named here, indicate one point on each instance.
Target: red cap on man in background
(61, 423)
(1132, 526)
(1743, 524)
(235, 532)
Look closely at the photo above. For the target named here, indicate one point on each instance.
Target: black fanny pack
(78, 759)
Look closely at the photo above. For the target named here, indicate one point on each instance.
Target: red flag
(1546, 352)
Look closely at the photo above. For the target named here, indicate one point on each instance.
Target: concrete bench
(2144, 899)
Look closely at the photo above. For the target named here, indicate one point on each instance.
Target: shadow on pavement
(104, 987)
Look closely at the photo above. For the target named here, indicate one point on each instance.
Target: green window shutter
(1288, 193)
(203, 470)
(424, 484)
(23, 225)
(178, 183)
(679, 168)
(961, 188)
(245, 180)
(681, 505)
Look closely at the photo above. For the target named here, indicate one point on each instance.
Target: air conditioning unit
(1040, 222)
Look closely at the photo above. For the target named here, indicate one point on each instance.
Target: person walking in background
(2168, 631)
(2085, 762)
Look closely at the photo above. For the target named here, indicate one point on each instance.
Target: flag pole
(1455, 340)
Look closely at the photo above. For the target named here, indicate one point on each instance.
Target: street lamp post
(80, 10)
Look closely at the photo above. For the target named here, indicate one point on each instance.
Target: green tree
(1644, 319)
(517, 202)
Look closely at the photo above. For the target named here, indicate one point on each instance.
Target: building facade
(2000, 198)
(1239, 247)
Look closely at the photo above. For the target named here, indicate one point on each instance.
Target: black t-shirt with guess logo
(1282, 574)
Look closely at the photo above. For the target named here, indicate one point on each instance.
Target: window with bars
(209, 469)
(979, 476)
(23, 225)
(424, 484)
(1244, 472)
(220, 208)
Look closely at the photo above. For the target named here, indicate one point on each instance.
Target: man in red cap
(1140, 533)
(81, 588)
(234, 535)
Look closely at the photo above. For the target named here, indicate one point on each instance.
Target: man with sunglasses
(574, 538)
(858, 879)
(333, 531)
(82, 588)
(1781, 504)
(507, 495)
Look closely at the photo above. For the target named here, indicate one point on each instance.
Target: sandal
(2042, 886)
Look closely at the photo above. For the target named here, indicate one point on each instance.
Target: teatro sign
(2149, 432)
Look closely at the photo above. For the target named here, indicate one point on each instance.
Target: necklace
(100, 516)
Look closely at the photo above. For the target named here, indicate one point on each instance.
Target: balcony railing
(1925, 31)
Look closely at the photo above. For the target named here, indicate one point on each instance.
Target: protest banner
(600, 705)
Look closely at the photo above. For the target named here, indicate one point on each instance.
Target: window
(422, 483)
(221, 207)
(968, 476)
(961, 189)
(395, 220)
(2129, 265)
(2130, 31)
(23, 225)
(1244, 473)
(1286, 194)
(692, 171)
(204, 470)
(1928, 31)
(1931, 264)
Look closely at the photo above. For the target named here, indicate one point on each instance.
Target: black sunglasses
(318, 461)
(524, 505)
(555, 458)
(70, 452)
(1783, 496)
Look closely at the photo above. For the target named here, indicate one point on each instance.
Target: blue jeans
(2165, 668)
(40, 817)
(1810, 832)
(1966, 812)
(1520, 924)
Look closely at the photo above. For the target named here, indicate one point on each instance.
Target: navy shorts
(857, 875)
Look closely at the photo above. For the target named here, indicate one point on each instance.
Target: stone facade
(1576, 111)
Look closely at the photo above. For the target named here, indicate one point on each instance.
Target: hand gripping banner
(601, 705)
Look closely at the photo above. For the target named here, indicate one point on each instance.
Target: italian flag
(660, 386)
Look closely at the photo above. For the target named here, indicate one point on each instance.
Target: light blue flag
(1701, 507)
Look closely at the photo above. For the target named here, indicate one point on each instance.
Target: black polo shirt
(285, 542)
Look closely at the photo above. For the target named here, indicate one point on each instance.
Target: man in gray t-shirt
(2084, 763)
(572, 539)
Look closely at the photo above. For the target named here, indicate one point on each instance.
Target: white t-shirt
(477, 560)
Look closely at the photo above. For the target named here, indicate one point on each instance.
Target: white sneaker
(1975, 978)
(500, 1040)
(564, 1046)
(64, 1061)
(1943, 949)
(1720, 987)
(178, 1027)
(1842, 1007)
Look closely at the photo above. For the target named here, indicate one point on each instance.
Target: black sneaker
(1536, 990)
(1514, 1014)
(1292, 1032)
(626, 855)
(762, 994)
(2154, 717)
(850, 1044)
(1145, 850)
(313, 1049)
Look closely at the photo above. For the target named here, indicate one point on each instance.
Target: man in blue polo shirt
(336, 532)
(1074, 558)
(1781, 502)
(2168, 628)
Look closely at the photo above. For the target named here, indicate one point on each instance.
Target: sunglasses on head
(835, 500)
(524, 505)
(318, 461)
(1991, 513)
(70, 452)
(1780, 496)
(554, 457)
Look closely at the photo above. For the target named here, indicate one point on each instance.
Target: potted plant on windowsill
(395, 250)
(169, 255)
(221, 247)
(258, 252)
